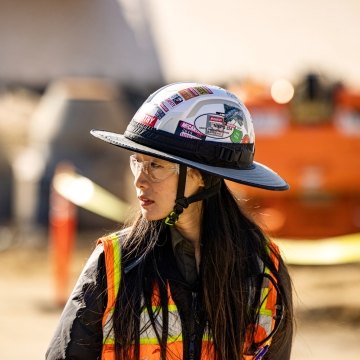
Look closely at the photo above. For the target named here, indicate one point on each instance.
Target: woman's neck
(188, 226)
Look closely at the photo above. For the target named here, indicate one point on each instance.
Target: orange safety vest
(149, 346)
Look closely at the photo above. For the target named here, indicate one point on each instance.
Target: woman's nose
(140, 179)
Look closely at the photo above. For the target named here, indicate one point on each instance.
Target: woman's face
(157, 196)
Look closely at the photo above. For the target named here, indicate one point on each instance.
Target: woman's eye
(155, 165)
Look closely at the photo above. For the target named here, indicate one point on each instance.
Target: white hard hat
(202, 126)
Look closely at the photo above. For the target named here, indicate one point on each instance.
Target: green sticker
(236, 136)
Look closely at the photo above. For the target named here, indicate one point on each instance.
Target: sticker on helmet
(177, 99)
(236, 136)
(227, 125)
(149, 114)
(170, 102)
(164, 107)
(233, 114)
(203, 90)
(185, 129)
(146, 119)
(245, 139)
(193, 91)
(215, 126)
(159, 113)
(188, 94)
(174, 100)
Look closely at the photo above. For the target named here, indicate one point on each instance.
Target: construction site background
(67, 67)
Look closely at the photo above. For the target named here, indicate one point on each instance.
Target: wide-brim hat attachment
(202, 126)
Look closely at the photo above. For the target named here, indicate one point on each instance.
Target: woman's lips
(144, 201)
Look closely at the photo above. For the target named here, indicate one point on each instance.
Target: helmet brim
(258, 175)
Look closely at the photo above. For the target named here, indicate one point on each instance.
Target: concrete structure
(43, 40)
(151, 41)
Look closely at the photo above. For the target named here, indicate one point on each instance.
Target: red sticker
(148, 120)
(218, 119)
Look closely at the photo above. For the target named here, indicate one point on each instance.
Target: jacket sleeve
(79, 333)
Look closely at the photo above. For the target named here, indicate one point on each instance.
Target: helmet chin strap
(183, 202)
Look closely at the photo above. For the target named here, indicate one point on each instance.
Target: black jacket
(79, 333)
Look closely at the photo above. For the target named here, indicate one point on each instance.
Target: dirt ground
(326, 300)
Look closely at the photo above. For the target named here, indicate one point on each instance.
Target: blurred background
(67, 67)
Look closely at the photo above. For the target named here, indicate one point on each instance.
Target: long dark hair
(232, 245)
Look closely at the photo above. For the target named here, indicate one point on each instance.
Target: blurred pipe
(330, 251)
(90, 196)
(63, 223)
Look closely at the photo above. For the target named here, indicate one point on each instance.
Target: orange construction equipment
(62, 222)
(314, 143)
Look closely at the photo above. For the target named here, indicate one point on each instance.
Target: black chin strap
(183, 202)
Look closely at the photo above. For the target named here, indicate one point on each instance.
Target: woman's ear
(196, 176)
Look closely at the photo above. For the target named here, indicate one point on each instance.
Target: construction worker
(193, 277)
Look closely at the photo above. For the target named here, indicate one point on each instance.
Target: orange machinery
(314, 143)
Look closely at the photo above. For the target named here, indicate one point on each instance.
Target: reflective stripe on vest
(113, 275)
(149, 344)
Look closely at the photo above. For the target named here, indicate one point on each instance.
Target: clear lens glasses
(155, 170)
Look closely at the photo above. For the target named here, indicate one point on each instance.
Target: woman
(193, 277)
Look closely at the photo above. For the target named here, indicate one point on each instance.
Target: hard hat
(201, 126)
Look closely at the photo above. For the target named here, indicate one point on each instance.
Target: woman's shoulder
(113, 245)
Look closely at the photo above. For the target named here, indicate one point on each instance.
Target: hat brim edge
(259, 175)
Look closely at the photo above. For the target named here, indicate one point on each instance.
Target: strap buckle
(171, 219)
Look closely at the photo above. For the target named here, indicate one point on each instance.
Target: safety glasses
(155, 170)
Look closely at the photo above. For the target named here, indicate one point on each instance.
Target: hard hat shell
(203, 126)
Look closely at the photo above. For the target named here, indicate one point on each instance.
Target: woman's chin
(151, 216)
